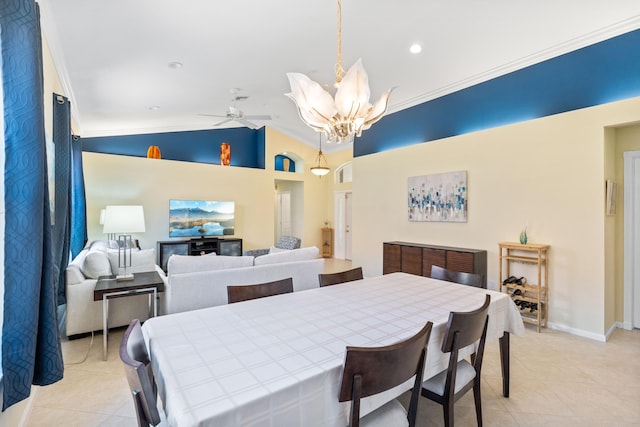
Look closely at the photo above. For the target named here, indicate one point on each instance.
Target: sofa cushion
(179, 264)
(141, 260)
(274, 250)
(302, 254)
(96, 264)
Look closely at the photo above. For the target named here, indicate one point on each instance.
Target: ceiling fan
(236, 115)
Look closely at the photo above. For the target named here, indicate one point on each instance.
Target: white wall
(547, 174)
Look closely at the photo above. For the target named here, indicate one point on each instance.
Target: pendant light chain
(339, 69)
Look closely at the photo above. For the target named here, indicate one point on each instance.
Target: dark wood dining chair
(260, 290)
(328, 279)
(372, 370)
(445, 388)
(470, 279)
(137, 367)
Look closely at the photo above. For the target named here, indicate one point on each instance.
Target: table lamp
(122, 220)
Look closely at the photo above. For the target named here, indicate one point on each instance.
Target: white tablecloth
(278, 361)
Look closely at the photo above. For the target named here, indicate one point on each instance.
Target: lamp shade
(124, 219)
(102, 213)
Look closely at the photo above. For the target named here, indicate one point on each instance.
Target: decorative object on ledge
(440, 197)
(351, 112)
(225, 154)
(523, 236)
(154, 152)
(122, 220)
(321, 167)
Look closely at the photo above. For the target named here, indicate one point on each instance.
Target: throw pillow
(96, 264)
(98, 245)
(302, 254)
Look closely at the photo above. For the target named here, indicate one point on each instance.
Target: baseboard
(578, 332)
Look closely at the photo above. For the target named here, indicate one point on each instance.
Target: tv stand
(197, 246)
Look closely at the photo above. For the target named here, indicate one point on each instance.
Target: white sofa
(199, 282)
(96, 259)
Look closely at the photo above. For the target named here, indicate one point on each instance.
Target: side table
(108, 287)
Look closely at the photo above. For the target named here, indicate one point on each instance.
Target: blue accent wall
(601, 73)
(202, 146)
(279, 163)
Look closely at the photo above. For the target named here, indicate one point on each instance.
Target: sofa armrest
(73, 275)
(256, 252)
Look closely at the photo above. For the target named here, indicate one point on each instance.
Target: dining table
(278, 361)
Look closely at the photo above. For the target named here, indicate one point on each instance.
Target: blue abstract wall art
(438, 198)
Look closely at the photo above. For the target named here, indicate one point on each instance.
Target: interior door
(283, 217)
(632, 239)
(347, 225)
(636, 242)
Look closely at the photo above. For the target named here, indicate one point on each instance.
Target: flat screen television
(201, 218)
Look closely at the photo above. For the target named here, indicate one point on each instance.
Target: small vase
(523, 237)
(225, 154)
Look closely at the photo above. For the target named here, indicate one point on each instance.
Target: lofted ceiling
(114, 58)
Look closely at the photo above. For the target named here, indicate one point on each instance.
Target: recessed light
(175, 65)
(154, 108)
(415, 48)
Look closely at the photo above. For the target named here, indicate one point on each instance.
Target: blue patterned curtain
(31, 352)
(78, 201)
(62, 205)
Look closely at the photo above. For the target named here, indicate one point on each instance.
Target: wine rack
(532, 298)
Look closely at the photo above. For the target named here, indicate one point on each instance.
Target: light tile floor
(557, 379)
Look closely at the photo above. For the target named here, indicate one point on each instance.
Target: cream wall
(547, 174)
(113, 179)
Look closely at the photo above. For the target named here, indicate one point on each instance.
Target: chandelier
(350, 112)
(321, 167)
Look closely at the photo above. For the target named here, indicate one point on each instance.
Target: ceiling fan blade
(222, 122)
(246, 123)
(258, 117)
(212, 115)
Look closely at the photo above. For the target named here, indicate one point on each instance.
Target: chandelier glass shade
(348, 113)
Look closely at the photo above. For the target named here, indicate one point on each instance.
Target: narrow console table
(417, 258)
(108, 287)
(198, 246)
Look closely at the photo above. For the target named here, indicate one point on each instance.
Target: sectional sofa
(201, 281)
(192, 282)
(83, 314)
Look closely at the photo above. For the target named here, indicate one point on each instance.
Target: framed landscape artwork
(438, 198)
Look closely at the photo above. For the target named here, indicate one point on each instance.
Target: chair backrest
(288, 242)
(340, 277)
(260, 290)
(470, 279)
(465, 328)
(372, 370)
(134, 355)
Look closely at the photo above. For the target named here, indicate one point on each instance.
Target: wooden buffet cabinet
(417, 258)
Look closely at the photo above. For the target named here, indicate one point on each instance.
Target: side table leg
(504, 362)
(105, 329)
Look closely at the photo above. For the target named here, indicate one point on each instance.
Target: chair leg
(447, 408)
(476, 397)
